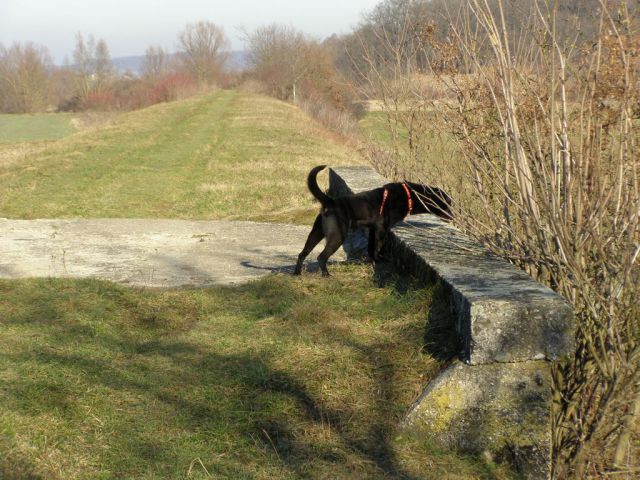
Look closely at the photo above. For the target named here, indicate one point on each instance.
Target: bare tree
(92, 64)
(104, 69)
(281, 57)
(204, 51)
(83, 64)
(24, 78)
(155, 62)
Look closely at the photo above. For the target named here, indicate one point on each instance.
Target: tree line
(29, 82)
(283, 61)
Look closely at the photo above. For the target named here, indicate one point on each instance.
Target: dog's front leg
(371, 247)
(379, 233)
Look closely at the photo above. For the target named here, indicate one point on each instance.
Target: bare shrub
(332, 117)
(557, 184)
(24, 78)
(548, 176)
(252, 85)
(173, 86)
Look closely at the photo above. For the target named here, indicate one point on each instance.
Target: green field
(30, 127)
(374, 126)
(227, 155)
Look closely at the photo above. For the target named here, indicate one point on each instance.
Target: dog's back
(378, 209)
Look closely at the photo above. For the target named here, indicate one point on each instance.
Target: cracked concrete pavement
(148, 252)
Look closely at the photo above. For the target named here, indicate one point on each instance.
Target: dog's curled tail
(312, 183)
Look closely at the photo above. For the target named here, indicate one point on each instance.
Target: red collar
(385, 194)
(409, 201)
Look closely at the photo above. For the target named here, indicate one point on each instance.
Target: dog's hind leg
(313, 239)
(333, 243)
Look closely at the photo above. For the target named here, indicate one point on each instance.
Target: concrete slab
(149, 253)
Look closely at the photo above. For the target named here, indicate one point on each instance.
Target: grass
(280, 378)
(30, 127)
(375, 127)
(226, 155)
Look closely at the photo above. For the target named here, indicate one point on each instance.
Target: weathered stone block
(509, 326)
(350, 180)
(498, 409)
(503, 315)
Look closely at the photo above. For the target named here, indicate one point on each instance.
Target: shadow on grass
(441, 341)
(255, 382)
(229, 403)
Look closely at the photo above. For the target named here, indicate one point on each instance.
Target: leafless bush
(547, 131)
(24, 78)
(558, 186)
(335, 119)
(251, 85)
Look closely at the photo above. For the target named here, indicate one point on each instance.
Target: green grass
(227, 155)
(30, 127)
(280, 378)
(435, 159)
(374, 126)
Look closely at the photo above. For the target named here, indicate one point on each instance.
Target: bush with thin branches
(546, 130)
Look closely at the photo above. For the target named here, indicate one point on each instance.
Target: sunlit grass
(226, 155)
(38, 126)
(280, 378)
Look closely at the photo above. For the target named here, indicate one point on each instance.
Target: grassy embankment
(434, 158)
(281, 378)
(228, 155)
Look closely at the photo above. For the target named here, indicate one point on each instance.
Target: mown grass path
(227, 155)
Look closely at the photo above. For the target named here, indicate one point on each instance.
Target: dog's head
(432, 200)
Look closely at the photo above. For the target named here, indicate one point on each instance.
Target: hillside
(225, 155)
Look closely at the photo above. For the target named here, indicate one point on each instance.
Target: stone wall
(496, 399)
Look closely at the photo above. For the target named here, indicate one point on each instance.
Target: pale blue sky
(129, 26)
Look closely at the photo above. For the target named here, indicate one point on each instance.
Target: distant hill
(133, 63)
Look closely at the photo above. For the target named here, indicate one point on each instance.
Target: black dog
(377, 209)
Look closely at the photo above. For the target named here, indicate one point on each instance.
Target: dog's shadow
(310, 267)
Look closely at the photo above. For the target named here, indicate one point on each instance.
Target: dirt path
(153, 253)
